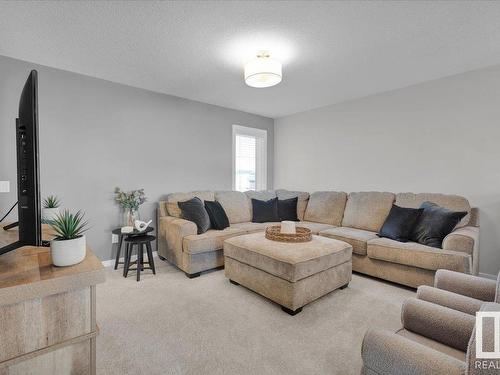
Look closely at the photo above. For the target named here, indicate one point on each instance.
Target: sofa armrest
(466, 285)
(387, 353)
(442, 324)
(465, 240)
(174, 230)
(448, 299)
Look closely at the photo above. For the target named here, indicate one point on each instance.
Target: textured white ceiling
(331, 51)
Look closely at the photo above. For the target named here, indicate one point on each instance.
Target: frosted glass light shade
(263, 72)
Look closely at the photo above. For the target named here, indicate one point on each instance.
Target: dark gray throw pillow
(194, 210)
(400, 223)
(218, 217)
(287, 209)
(265, 211)
(435, 224)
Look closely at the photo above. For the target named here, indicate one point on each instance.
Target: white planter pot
(68, 252)
(49, 214)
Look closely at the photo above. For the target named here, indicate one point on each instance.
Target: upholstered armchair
(458, 291)
(434, 340)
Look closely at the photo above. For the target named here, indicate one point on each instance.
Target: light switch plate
(114, 238)
(4, 186)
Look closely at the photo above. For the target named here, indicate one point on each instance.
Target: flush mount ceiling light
(263, 71)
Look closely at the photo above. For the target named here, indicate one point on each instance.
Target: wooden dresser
(47, 314)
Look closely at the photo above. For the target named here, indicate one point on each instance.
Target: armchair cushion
(386, 353)
(436, 345)
(451, 300)
(447, 326)
(466, 285)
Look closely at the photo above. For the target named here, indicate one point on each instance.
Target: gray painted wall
(441, 136)
(95, 135)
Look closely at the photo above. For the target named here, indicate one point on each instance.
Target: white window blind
(249, 158)
(245, 168)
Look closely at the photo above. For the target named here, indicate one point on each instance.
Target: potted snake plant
(50, 208)
(69, 245)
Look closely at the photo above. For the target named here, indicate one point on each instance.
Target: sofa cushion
(358, 238)
(218, 217)
(367, 210)
(211, 240)
(257, 227)
(400, 223)
(262, 195)
(172, 199)
(314, 227)
(436, 345)
(451, 202)
(417, 255)
(287, 209)
(326, 207)
(194, 210)
(289, 261)
(264, 211)
(435, 224)
(236, 204)
(250, 227)
(303, 198)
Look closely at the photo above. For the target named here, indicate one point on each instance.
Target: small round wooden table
(121, 236)
(140, 242)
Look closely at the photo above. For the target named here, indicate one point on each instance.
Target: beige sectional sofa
(354, 218)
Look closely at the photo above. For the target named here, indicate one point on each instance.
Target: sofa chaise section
(406, 263)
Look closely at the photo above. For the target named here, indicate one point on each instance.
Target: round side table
(121, 236)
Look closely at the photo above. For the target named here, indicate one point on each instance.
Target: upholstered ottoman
(290, 274)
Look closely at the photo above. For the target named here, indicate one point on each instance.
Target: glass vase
(130, 217)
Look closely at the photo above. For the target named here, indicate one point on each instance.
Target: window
(249, 158)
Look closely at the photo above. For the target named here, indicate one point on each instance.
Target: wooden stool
(140, 241)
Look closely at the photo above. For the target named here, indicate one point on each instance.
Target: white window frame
(260, 154)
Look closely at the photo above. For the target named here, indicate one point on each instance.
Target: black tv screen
(28, 187)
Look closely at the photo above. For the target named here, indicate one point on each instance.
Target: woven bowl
(302, 234)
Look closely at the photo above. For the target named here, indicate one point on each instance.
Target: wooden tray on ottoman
(302, 234)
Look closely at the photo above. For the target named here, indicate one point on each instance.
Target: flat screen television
(28, 186)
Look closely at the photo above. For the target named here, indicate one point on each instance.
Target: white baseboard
(111, 262)
(488, 276)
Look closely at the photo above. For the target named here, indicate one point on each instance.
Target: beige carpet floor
(168, 324)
